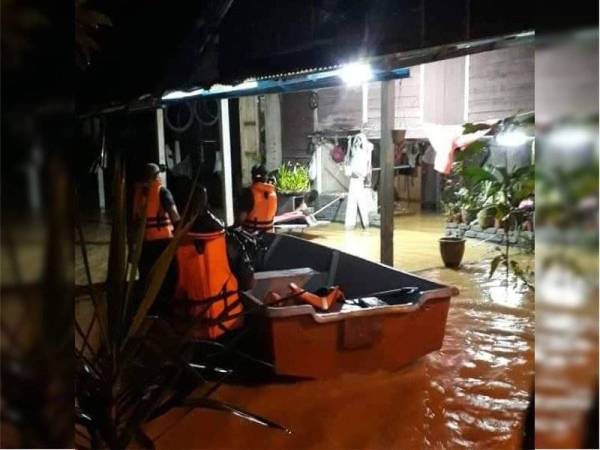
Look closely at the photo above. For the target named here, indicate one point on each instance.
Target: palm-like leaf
(142, 367)
(216, 405)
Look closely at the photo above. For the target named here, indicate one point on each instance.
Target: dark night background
(154, 46)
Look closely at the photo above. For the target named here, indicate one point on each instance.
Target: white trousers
(357, 201)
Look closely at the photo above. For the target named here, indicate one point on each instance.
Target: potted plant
(469, 200)
(486, 217)
(452, 212)
(291, 180)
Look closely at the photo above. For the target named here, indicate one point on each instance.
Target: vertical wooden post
(32, 172)
(386, 162)
(101, 197)
(249, 136)
(97, 131)
(177, 152)
(273, 131)
(162, 152)
(467, 85)
(319, 154)
(226, 160)
(365, 104)
(319, 169)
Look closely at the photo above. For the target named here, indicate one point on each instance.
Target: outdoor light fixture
(355, 74)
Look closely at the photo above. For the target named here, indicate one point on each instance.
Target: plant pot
(452, 250)
(468, 216)
(486, 218)
(288, 202)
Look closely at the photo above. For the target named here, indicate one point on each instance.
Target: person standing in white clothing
(358, 168)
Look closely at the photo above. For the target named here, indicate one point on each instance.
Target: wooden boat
(302, 342)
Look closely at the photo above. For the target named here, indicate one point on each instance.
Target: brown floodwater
(471, 394)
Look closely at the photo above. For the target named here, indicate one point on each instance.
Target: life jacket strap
(259, 225)
(158, 221)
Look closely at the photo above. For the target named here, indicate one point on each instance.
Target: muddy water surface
(470, 394)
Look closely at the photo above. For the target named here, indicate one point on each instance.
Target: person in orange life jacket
(257, 205)
(161, 217)
(207, 287)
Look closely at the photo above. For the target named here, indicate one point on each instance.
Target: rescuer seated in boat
(207, 287)
(257, 205)
(161, 216)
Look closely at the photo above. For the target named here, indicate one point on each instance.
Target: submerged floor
(416, 245)
(416, 241)
(470, 394)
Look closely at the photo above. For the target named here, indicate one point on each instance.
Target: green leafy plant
(451, 210)
(469, 199)
(496, 190)
(486, 216)
(292, 179)
(525, 274)
(459, 192)
(503, 191)
(143, 365)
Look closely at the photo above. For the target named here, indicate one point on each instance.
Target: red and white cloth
(446, 140)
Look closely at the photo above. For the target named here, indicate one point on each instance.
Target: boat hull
(302, 342)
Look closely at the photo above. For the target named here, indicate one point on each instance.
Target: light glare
(215, 89)
(355, 74)
(513, 138)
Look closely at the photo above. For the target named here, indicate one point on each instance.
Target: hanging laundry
(446, 140)
(429, 155)
(358, 158)
(312, 168)
(413, 152)
(337, 154)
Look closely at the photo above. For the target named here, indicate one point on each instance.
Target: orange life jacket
(260, 218)
(321, 301)
(158, 223)
(205, 278)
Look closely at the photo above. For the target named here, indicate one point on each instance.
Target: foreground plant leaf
(207, 403)
(494, 264)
